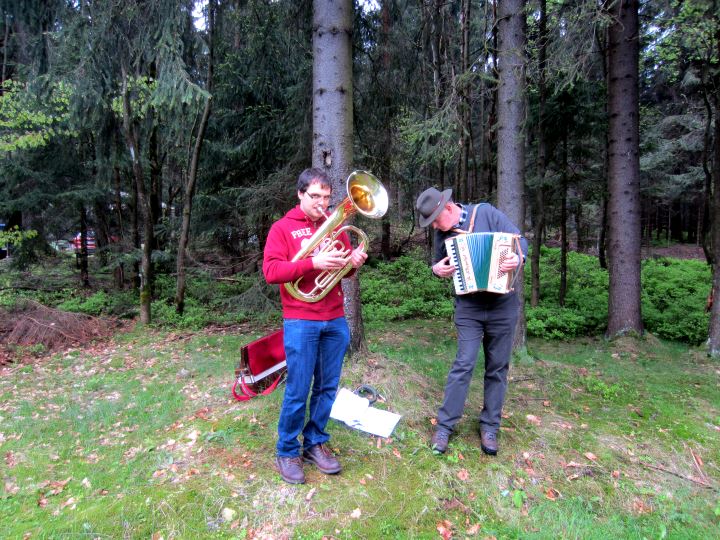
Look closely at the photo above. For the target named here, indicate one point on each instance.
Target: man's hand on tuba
(358, 256)
(333, 259)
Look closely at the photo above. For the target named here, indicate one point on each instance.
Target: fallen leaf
(310, 494)
(362, 481)
(473, 530)
(11, 487)
(546, 403)
(552, 494)
(616, 474)
(433, 421)
(463, 475)
(228, 514)
(445, 529)
(590, 456)
(10, 459)
(396, 453)
(58, 486)
(533, 419)
(356, 513)
(640, 507)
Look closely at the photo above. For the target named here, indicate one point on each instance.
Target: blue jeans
(314, 351)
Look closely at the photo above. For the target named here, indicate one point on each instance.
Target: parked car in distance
(90, 241)
(61, 245)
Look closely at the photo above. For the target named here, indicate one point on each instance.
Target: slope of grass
(140, 438)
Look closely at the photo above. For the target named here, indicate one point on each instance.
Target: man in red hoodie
(316, 334)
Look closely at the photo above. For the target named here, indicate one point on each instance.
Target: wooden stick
(698, 465)
(689, 478)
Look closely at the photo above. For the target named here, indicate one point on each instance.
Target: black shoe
(488, 443)
(291, 469)
(439, 441)
(323, 459)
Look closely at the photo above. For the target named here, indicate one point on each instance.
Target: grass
(139, 438)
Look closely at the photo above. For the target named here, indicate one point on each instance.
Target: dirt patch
(676, 251)
(32, 328)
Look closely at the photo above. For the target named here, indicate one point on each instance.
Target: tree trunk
(82, 257)
(714, 327)
(542, 145)
(180, 284)
(332, 123)
(131, 138)
(464, 105)
(563, 224)
(511, 122)
(136, 231)
(623, 170)
(118, 202)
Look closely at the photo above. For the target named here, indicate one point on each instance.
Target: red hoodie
(287, 236)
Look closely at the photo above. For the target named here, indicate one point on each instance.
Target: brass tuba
(367, 196)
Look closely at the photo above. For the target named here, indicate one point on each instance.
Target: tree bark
(511, 130)
(563, 224)
(131, 138)
(332, 123)
(82, 257)
(180, 284)
(623, 170)
(714, 327)
(542, 158)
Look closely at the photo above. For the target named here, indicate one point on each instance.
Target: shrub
(94, 305)
(586, 297)
(115, 304)
(554, 322)
(673, 298)
(403, 289)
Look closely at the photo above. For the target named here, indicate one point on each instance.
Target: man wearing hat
(481, 318)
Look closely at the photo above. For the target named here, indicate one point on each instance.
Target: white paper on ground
(357, 413)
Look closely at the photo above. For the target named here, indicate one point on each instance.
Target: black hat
(430, 203)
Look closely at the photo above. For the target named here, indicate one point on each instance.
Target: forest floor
(678, 251)
(137, 436)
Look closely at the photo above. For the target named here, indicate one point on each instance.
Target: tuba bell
(367, 196)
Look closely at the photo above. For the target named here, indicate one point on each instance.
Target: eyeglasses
(317, 196)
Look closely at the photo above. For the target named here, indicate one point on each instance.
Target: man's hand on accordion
(509, 263)
(443, 268)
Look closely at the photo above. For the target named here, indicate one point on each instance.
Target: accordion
(477, 258)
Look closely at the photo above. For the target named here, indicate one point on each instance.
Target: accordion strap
(472, 222)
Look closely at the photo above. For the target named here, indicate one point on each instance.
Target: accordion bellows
(477, 258)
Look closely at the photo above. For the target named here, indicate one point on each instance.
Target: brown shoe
(323, 458)
(439, 441)
(291, 469)
(488, 443)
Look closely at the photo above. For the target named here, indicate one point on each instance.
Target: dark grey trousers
(488, 320)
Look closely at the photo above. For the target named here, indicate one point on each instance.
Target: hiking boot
(291, 469)
(439, 441)
(323, 458)
(488, 443)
